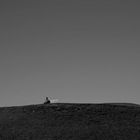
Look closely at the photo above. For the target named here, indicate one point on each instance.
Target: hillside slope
(64, 121)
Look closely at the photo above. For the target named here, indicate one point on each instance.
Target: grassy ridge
(62, 121)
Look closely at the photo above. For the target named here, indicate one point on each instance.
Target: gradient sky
(73, 50)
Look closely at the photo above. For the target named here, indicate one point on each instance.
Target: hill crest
(72, 121)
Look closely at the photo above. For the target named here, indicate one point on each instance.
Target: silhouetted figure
(47, 101)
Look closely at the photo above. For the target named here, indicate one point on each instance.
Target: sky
(78, 51)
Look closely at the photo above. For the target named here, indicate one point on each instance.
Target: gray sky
(73, 50)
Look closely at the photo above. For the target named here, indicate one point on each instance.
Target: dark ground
(64, 121)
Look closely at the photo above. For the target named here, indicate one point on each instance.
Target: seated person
(47, 101)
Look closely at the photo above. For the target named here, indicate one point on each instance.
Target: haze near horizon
(74, 51)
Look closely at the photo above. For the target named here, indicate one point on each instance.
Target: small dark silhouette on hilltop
(47, 101)
(71, 121)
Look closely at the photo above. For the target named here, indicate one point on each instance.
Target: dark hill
(65, 121)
